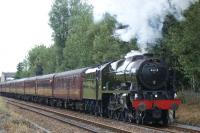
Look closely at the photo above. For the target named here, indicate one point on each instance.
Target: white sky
(23, 24)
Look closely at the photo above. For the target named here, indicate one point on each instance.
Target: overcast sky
(24, 23)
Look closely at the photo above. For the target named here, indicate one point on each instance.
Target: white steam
(144, 17)
(133, 53)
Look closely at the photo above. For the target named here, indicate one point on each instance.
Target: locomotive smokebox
(152, 73)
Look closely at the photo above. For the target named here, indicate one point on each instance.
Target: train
(138, 88)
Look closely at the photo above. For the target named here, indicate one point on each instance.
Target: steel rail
(103, 126)
(59, 118)
(185, 128)
(72, 120)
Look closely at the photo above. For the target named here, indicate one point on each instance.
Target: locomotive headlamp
(175, 95)
(156, 95)
(136, 96)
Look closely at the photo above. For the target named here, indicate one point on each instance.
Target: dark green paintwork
(106, 83)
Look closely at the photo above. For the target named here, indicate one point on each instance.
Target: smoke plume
(144, 17)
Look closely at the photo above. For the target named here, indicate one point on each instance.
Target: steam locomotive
(138, 88)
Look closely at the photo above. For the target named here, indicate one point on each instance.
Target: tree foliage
(59, 22)
(22, 70)
(78, 40)
(180, 45)
(81, 42)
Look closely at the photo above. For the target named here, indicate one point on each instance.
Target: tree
(19, 70)
(106, 46)
(65, 19)
(79, 41)
(60, 24)
(180, 45)
(188, 47)
(22, 70)
(41, 60)
(78, 46)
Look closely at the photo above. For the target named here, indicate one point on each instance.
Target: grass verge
(11, 122)
(189, 114)
(3, 108)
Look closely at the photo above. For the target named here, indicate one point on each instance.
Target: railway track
(92, 125)
(185, 128)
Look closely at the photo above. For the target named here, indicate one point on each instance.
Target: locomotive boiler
(137, 88)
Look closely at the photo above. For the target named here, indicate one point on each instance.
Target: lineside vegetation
(81, 42)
